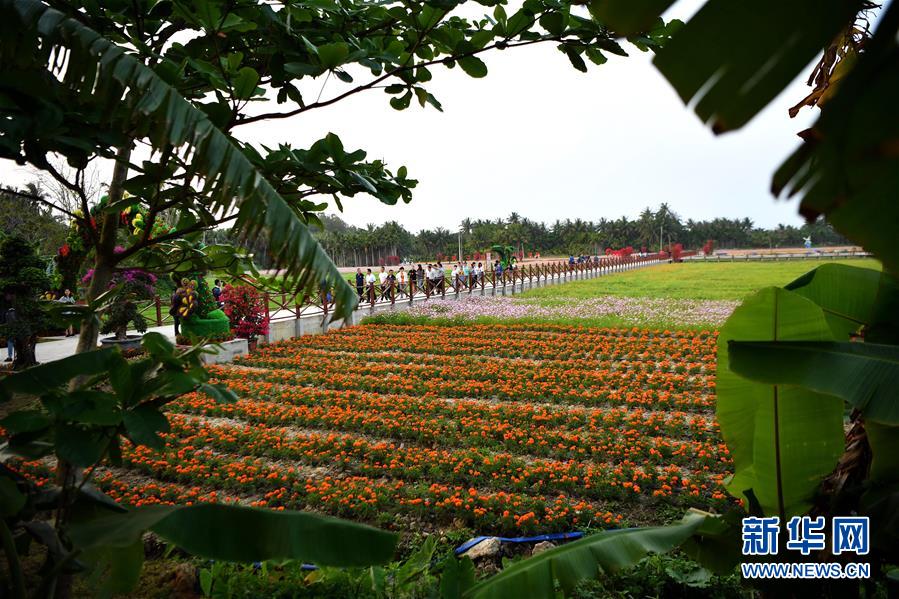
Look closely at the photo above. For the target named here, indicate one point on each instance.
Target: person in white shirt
(455, 277)
(401, 280)
(382, 277)
(440, 276)
(370, 284)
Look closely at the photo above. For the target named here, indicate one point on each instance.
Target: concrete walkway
(50, 349)
(284, 323)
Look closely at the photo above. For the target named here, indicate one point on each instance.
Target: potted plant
(245, 308)
(134, 285)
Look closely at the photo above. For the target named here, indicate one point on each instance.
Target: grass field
(691, 296)
(691, 280)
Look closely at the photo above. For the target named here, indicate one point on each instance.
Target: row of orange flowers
(432, 420)
(515, 341)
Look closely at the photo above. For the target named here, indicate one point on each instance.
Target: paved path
(50, 349)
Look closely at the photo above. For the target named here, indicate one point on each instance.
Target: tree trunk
(104, 262)
(104, 265)
(25, 353)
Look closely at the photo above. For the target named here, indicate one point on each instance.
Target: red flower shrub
(709, 247)
(245, 308)
(622, 253)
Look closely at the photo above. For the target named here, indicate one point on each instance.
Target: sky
(539, 138)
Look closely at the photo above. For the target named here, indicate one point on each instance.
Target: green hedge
(216, 323)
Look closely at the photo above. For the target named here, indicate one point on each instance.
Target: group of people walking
(431, 278)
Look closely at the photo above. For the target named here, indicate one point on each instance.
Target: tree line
(349, 245)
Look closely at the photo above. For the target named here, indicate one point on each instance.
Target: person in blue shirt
(360, 282)
(217, 293)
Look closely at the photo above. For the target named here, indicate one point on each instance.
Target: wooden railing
(289, 306)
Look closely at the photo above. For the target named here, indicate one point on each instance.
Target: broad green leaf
(245, 83)
(627, 17)
(401, 102)
(143, 425)
(44, 378)
(89, 407)
(114, 570)
(588, 558)
(847, 294)
(473, 66)
(576, 60)
(595, 56)
(457, 577)
(220, 392)
(884, 442)
(157, 345)
(11, 499)
(864, 374)
(333, 55)
(81, 446)
(716, 543)
(733, 58)
(881, 504)
(235, 533)
(554, 22)
(783, 439)
(26, 421)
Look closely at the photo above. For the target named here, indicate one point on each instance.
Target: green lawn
(690, 280)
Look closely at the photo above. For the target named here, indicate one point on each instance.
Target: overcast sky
(542, 139)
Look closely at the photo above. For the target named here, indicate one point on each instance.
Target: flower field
(498, 428)
(629, 311)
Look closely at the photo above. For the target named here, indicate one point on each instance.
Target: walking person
(413, 279)
(370, 283)
(217, 293)
(391, 285)
(401, 280)
(68, 298)
(175, 302)
(440, 276)
(382, 277)
(360, 283)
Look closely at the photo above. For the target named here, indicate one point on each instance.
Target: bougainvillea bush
(133, 286)
(499, 429)
(245, 307)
